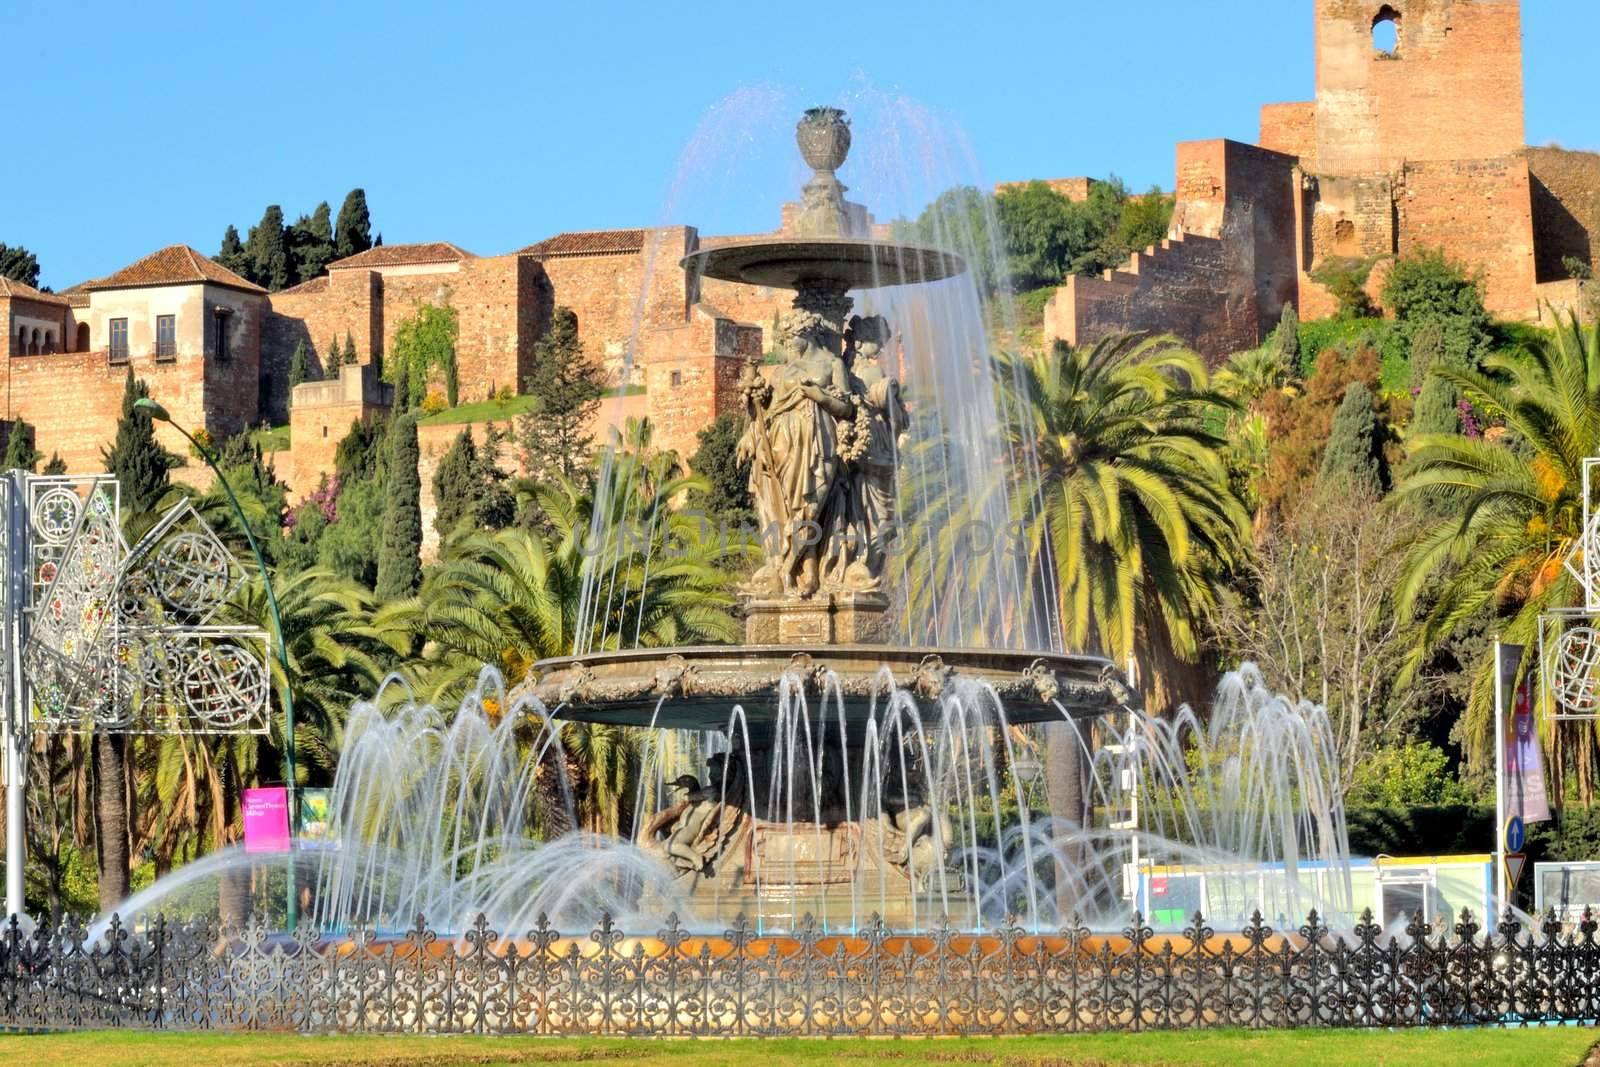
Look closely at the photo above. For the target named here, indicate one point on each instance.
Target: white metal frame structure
(98, 636)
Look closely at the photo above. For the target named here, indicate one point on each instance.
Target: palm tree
(1135, 515)
(643, 576)
(1508, 512)
(337, 653)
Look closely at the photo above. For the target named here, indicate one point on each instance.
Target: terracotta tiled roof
(12, 287)
(586, 243)
(173, 265)
(399, 255)
(315, 285)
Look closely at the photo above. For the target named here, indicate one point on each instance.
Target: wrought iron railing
(677, 983)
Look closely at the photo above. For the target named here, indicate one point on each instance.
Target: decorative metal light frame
(125, 640)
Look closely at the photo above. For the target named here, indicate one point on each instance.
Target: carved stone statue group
(702, 836)
(824, 432)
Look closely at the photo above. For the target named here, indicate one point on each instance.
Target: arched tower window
(1386, 33)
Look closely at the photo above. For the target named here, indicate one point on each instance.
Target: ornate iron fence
(677, 983)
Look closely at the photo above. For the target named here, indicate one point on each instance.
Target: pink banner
(266, 819)
(1525, 794)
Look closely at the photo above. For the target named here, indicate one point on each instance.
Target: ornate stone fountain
(825, 430)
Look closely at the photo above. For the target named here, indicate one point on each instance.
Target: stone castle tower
(1415, 141)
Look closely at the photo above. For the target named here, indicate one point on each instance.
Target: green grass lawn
(271, 439)
(1468, 1048)
(500, 410)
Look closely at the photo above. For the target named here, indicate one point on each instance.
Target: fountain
(845, 754)
(828, 770)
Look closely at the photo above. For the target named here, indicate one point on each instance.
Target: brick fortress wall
(1220, 280)
(1566, 208)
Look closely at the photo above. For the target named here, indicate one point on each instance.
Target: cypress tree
(57, 465)
(457, 491)
(268, 250)
(400, 552)
(1289, 340)
(20, 454)
(728, 499)
(350, 357)
(299, 366)
(232, 254)
(1352, 454)
(354, 230)
(313, 246)
(556, 439)
(1427, 352)
(1437, 409)
(138, 461)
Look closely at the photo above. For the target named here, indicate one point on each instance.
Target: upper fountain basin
(701, 684)
(790, 263)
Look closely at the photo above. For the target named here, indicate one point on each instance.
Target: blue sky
(493, 125)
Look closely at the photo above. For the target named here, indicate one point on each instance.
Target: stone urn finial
(823, 134)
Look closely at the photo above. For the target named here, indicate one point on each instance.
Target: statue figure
(696, 827)
(792, 444)
(866, 527)
(909, 841)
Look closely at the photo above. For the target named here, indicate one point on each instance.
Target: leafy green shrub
(1345, 277)
(1425, 287)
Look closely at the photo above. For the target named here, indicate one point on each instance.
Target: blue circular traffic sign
(1516, 834)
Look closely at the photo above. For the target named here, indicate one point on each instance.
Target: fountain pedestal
(842, 618)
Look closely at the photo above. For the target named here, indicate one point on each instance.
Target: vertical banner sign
(266, 819)
(314, 820)
(1524, 760)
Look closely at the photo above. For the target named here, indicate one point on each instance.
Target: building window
(324, 431)
(1386, 33)
(166, 336)
(119, 339)
(677, 378)
(219, 333)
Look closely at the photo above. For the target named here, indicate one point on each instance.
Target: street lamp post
(160, 414)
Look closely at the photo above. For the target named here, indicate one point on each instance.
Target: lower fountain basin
(701, 684)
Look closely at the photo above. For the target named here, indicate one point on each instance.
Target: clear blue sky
(493, 125)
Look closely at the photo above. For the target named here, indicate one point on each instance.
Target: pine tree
(232, 254)
(268, 250)
(1352, 455)
(556, 440)
(137, 460)
(299, 366)
(457, 493)
(1289, 340)
(354, 231)
(400, 552)
(20, 454)
(19, 264)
